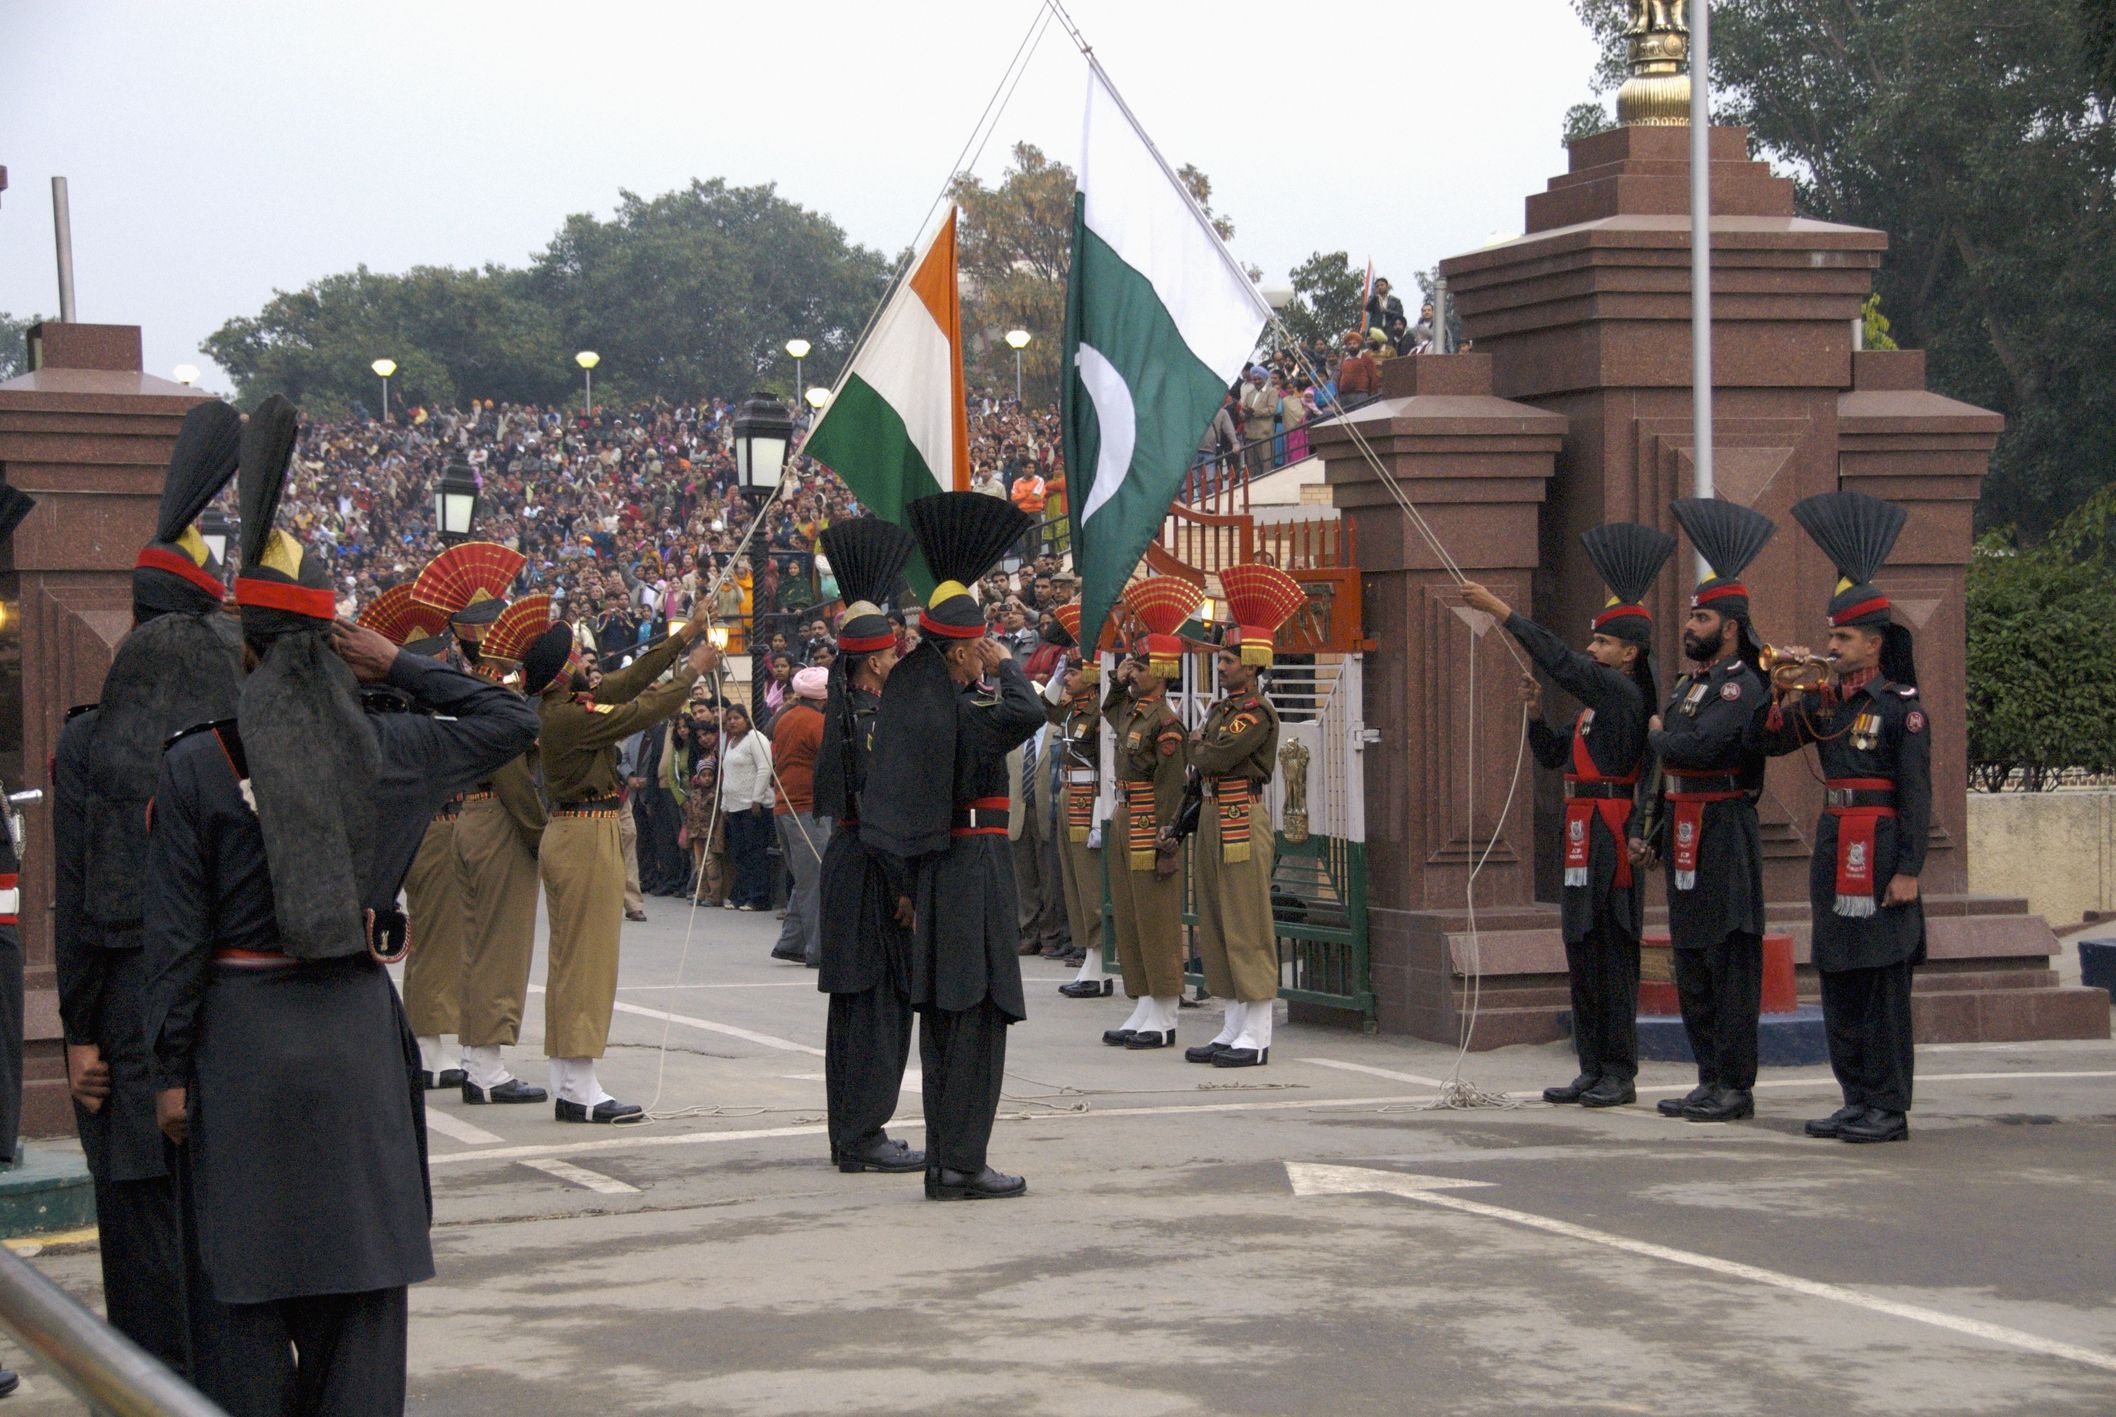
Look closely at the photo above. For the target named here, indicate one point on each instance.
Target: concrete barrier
(2057, 849)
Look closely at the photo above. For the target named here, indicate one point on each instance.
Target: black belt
(979, 818)
(1703, 782)
(593, 807)
(1597, 789)
(1857, 797)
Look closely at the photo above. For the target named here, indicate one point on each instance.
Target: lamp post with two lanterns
(763, 433)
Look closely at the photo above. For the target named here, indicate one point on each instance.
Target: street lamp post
(817, 397)
(455, 504)
(587, 359)
(798, 348)
(385, 368)
(186, 374)
(1019, 340)
(763, 433)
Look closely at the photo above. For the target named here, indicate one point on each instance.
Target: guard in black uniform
(284, 1063)
(1603, 755)
(1701, 817)
(864, 969)
(936, 801)
(180, 665)
(1875, 743)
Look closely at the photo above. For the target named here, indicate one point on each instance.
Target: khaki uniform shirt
(580, 734)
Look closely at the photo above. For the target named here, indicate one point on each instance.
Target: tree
(2041, 665)
(1326, 291)
(691, 293)
(1978, 134)
(14, 344)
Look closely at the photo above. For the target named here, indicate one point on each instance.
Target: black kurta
(307, 1123)
(1616, 743)
(1702, 736)
(1895, 746)
(863, 948)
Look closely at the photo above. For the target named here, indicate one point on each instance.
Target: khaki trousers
(1236, 939)
(433, 969)
(498, 878)
(628, 842)
(1080, 872)
(583, 869)
(1149, 919)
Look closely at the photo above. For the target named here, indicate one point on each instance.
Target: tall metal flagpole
(1701, 250)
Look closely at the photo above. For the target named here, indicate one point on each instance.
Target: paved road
(1303, 1238)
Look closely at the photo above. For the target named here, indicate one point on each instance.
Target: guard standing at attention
(283, 1062)
(496, 840)
(432, 895)
(1146, 886)
(1700, 815)
(468, 584)
(1078, 717)
(936, 801)
(864, 968)
(1234, 751)
(580, 858)
(1875, 743)
(179, 665)
(1603, 755)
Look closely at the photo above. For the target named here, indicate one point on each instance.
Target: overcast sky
(218, 151)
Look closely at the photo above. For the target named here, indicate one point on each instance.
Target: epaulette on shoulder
(1908, 691)
(213, 726)
(78, 709)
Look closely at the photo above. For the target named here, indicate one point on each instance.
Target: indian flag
(1159, 321)
(896, 429)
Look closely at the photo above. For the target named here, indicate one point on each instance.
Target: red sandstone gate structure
(1576, 410)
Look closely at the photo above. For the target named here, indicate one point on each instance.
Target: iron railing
(107, 1370)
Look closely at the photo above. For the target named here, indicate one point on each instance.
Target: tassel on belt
(1688, 826)
(1858, 804)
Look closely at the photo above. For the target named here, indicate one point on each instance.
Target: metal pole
(1017, 378)
(62, 229)
(587, 392)
(385, 398)
(1440, 315)
(106, 1369)
(1701, 249)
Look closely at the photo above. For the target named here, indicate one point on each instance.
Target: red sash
(1688, 828)
(1856, 845)
(1615, 813)
(10, 898)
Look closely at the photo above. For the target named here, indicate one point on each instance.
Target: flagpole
(1087, 52)
(1701, 254)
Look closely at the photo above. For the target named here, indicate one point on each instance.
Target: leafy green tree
(2042, 665)
(1979, 135)
(1325, 301)
(14, 344)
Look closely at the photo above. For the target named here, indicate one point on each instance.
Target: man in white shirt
(745, 805)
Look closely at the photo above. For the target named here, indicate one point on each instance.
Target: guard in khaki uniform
(1234, 751)
(1146, 883)
(580, 860)
(495, 844)
(1072, 709)
(466, 586)
(432, 895)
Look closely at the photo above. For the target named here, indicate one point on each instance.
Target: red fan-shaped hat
(469, 582)
(1162, 604)
(1069, 617)
(516, 629)
(398, 618)
(1260, 599)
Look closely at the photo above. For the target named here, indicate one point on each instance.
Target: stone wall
(2056, 849)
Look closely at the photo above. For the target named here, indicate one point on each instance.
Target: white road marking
(1312, 1179)
(808, 984)
(747, 1035)
(618, 1143)
(1333, 1180)
(914, 1080)
(450, 1125)
(1372, 1071)
(1826, 1081)
(590, 1180)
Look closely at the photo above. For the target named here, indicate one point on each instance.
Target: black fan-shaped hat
(1729, 536)
(1856, 532)
(1627, 556)
(866, 556)
(176, 572)
(267, 448)
(14, 506)
(284, 586)
(962, 535)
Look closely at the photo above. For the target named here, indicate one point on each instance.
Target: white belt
(10, 901)
(1080, 777)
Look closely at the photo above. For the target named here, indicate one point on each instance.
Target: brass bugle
(1794, 672)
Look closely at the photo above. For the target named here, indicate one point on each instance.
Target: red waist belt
(1582, 807)
(253, 959)
(10, 898)
(987, 816)
(1688, 827)
(1858, 803)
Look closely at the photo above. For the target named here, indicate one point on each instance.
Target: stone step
(2010, 1015)
(47, 1190)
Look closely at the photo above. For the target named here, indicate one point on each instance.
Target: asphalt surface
(1309, 1237)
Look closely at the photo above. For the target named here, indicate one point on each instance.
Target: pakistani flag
(1159, 320)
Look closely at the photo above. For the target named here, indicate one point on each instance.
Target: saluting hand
(367, 653)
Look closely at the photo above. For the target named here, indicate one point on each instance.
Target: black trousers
(1604, 972)
(749, 849)
(865, 1047)
(331, 1355)
(964, 1056)
(1867, 1015)
(664, 868)
(1721, 989)
(141, 1238)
